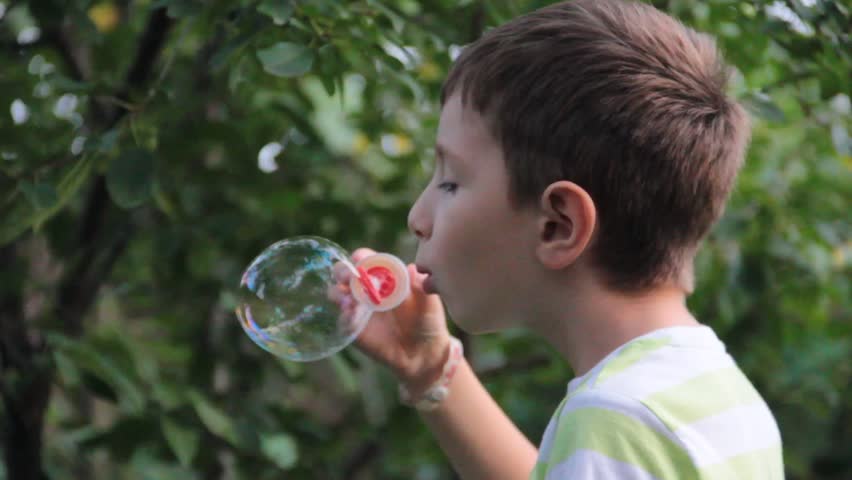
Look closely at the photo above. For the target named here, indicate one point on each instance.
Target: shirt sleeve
(604, 435)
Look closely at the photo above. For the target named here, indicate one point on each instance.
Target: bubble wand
(291, 304)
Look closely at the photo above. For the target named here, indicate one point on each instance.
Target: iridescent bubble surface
(285, 306)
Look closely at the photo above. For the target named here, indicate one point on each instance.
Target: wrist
(427, 396)
(425, 368)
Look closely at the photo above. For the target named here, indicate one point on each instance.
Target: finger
(346, 311)
(346, 321)
(361, 254)
(377, 338)
(335, 293)
(341, 272)
(417, 279)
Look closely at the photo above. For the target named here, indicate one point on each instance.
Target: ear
(566, 223)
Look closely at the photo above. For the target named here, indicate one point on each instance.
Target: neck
(592, 321)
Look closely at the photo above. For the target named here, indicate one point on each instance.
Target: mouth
(428, 283)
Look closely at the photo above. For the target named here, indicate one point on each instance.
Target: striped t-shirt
(671, 404)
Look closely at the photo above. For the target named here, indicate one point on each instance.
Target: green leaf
(214, 419)
(130, 177)
(68, 372)
(21, 215)
(145, 464)
(183, 441)
(762, 105)
(281, 448)
(66, 84)
(239, 73)
(168, 395)
(41, 195)
(101, 373)
(328, 84)
(232, 47)
(345, 374)
(330, 64)
(97, 386)
(179, 8)
(286, 59)
(279, 10)
(104, 143)
(125, 437)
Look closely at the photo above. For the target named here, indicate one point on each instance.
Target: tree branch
(76, 295)
(151, 44)
(56, 36)
(76, 59)
(362, 457)
(24, 358)
(24, 388)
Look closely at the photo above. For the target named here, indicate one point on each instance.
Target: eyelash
(448, 187)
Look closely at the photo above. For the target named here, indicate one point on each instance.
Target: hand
(411, 339)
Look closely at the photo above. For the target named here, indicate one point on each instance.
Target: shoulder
(603, 433)
(668, 406)
(683, 422)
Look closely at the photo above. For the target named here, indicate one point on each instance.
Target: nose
(418, 220)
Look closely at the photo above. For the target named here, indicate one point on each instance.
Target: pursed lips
(428, 283)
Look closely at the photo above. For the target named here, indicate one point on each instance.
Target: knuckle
(361, 253)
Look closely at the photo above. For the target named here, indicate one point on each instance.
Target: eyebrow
(444, 152)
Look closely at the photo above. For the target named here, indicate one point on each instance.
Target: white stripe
(592, 375)
(665, 368)
(591, 465)
(730, 433)
(547, 440)
(626, 406)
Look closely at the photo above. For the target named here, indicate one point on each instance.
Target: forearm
(476, 435)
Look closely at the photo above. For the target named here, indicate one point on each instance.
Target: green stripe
(631, 354)
(621, 438)
(702, 396)
(766, 464)
(539, 472)
(559, 408)
(581, 387)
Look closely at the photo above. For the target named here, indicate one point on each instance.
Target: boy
(584, 150)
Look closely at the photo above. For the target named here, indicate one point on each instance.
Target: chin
(473, 324)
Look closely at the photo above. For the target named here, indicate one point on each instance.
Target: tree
(154, 147)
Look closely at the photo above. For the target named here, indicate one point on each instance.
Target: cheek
(478, 237)
(481, 272)
(465, 238)
(498, 271)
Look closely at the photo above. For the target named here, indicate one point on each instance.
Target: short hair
(629, 104)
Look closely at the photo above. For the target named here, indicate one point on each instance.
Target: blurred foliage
(152, 148)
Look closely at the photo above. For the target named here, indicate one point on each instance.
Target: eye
(448, 187)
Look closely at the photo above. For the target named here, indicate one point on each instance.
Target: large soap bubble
(287, 304)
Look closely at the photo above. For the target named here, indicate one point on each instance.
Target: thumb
(361, 254)
(429, 304)
(417, 279)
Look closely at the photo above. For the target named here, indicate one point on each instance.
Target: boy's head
(593, 130)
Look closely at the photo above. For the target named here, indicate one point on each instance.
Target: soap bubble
(291, 302)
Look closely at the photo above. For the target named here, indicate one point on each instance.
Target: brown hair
(629, 104)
